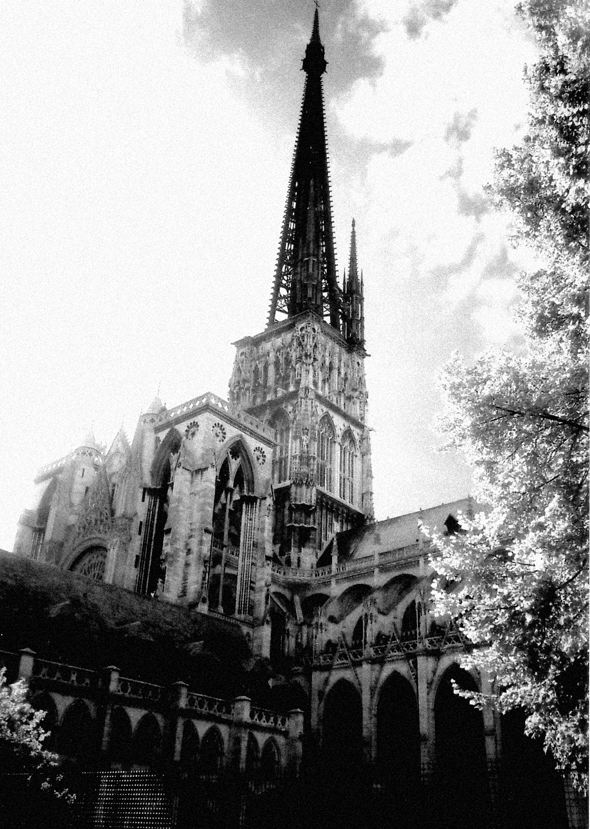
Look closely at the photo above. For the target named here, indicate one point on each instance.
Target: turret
(353, 302)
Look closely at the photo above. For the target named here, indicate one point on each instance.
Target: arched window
(235, 527)
(120, 742)
(151, 572)
(325, 458)
(347, 463)
(91, 563)
(270, 762)
(280, 423)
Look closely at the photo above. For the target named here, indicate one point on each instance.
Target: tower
(304, 375)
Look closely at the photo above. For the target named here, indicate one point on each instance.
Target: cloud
(461, 127)
(419, 14)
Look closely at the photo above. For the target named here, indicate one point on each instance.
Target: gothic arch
(90, 560)
(530, 790)
(189, 747)
(342, 719)
(169, 446)
(346, 602)
(120, 740)
(76, 736)
(460, 779)
(252, 754)
(398, 743)
(211, 758)
(391, 594)
(236, 446)
(147, 741)
(270, 760)
(235, 521)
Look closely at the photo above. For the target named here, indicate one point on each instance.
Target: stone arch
(211, 756)
(189, 747)
(90, 561)
(346, 602)
(170, 445)
(235, 525)
(398, 743)
(151, 572)
(76, 736)
(270, 760)
(391, 595)
(348, 463)
(120, 740)
(530, 789)
(460, 780)
(342, 719)
(45, 702)
(147, 741)
(252, 754)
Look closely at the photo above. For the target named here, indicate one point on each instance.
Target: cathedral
(256, 512)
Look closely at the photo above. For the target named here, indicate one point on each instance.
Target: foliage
(30, 777)
(516, 578)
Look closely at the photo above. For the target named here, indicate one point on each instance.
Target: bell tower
(304, 375)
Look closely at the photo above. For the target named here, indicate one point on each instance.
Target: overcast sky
(145, 148)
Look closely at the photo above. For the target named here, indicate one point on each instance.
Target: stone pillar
(238, 735)
(295, 741)
(111, 685)
(425, 718)
(180, 694)
(315, 705)
(369, 745)
(26, 663)
(491, 737)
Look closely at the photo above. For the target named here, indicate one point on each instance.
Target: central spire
(305, 277)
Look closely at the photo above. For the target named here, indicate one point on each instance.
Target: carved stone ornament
(260, 455)
(91, 564)
(192, 429)
(306, 340)
(219, 431)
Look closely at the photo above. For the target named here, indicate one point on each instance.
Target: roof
(393, 533)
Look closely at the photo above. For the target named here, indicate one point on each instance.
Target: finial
(314, 62)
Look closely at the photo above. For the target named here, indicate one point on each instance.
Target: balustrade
(68, 674)
(210, 705)
(264, 716)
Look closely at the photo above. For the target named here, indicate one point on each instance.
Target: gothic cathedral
(259, 510)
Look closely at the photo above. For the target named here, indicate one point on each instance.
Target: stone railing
(268, 718)
(211, 706)
(392, 650)
(213, 400)
(66, 674)
(355, 565)
(136, 689)
(52, 467)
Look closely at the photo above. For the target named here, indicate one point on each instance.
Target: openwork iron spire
(305, 277)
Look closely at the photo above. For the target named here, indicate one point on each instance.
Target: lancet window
(325, 457)
(154, 529)
(280, 422)
(347, 467)
(235, 526)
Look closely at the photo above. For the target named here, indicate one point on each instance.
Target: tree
(515, 579)
(31, 786)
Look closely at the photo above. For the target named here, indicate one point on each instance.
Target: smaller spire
(352, 265)
(353, 316)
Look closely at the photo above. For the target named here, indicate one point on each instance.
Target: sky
(145, 150)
